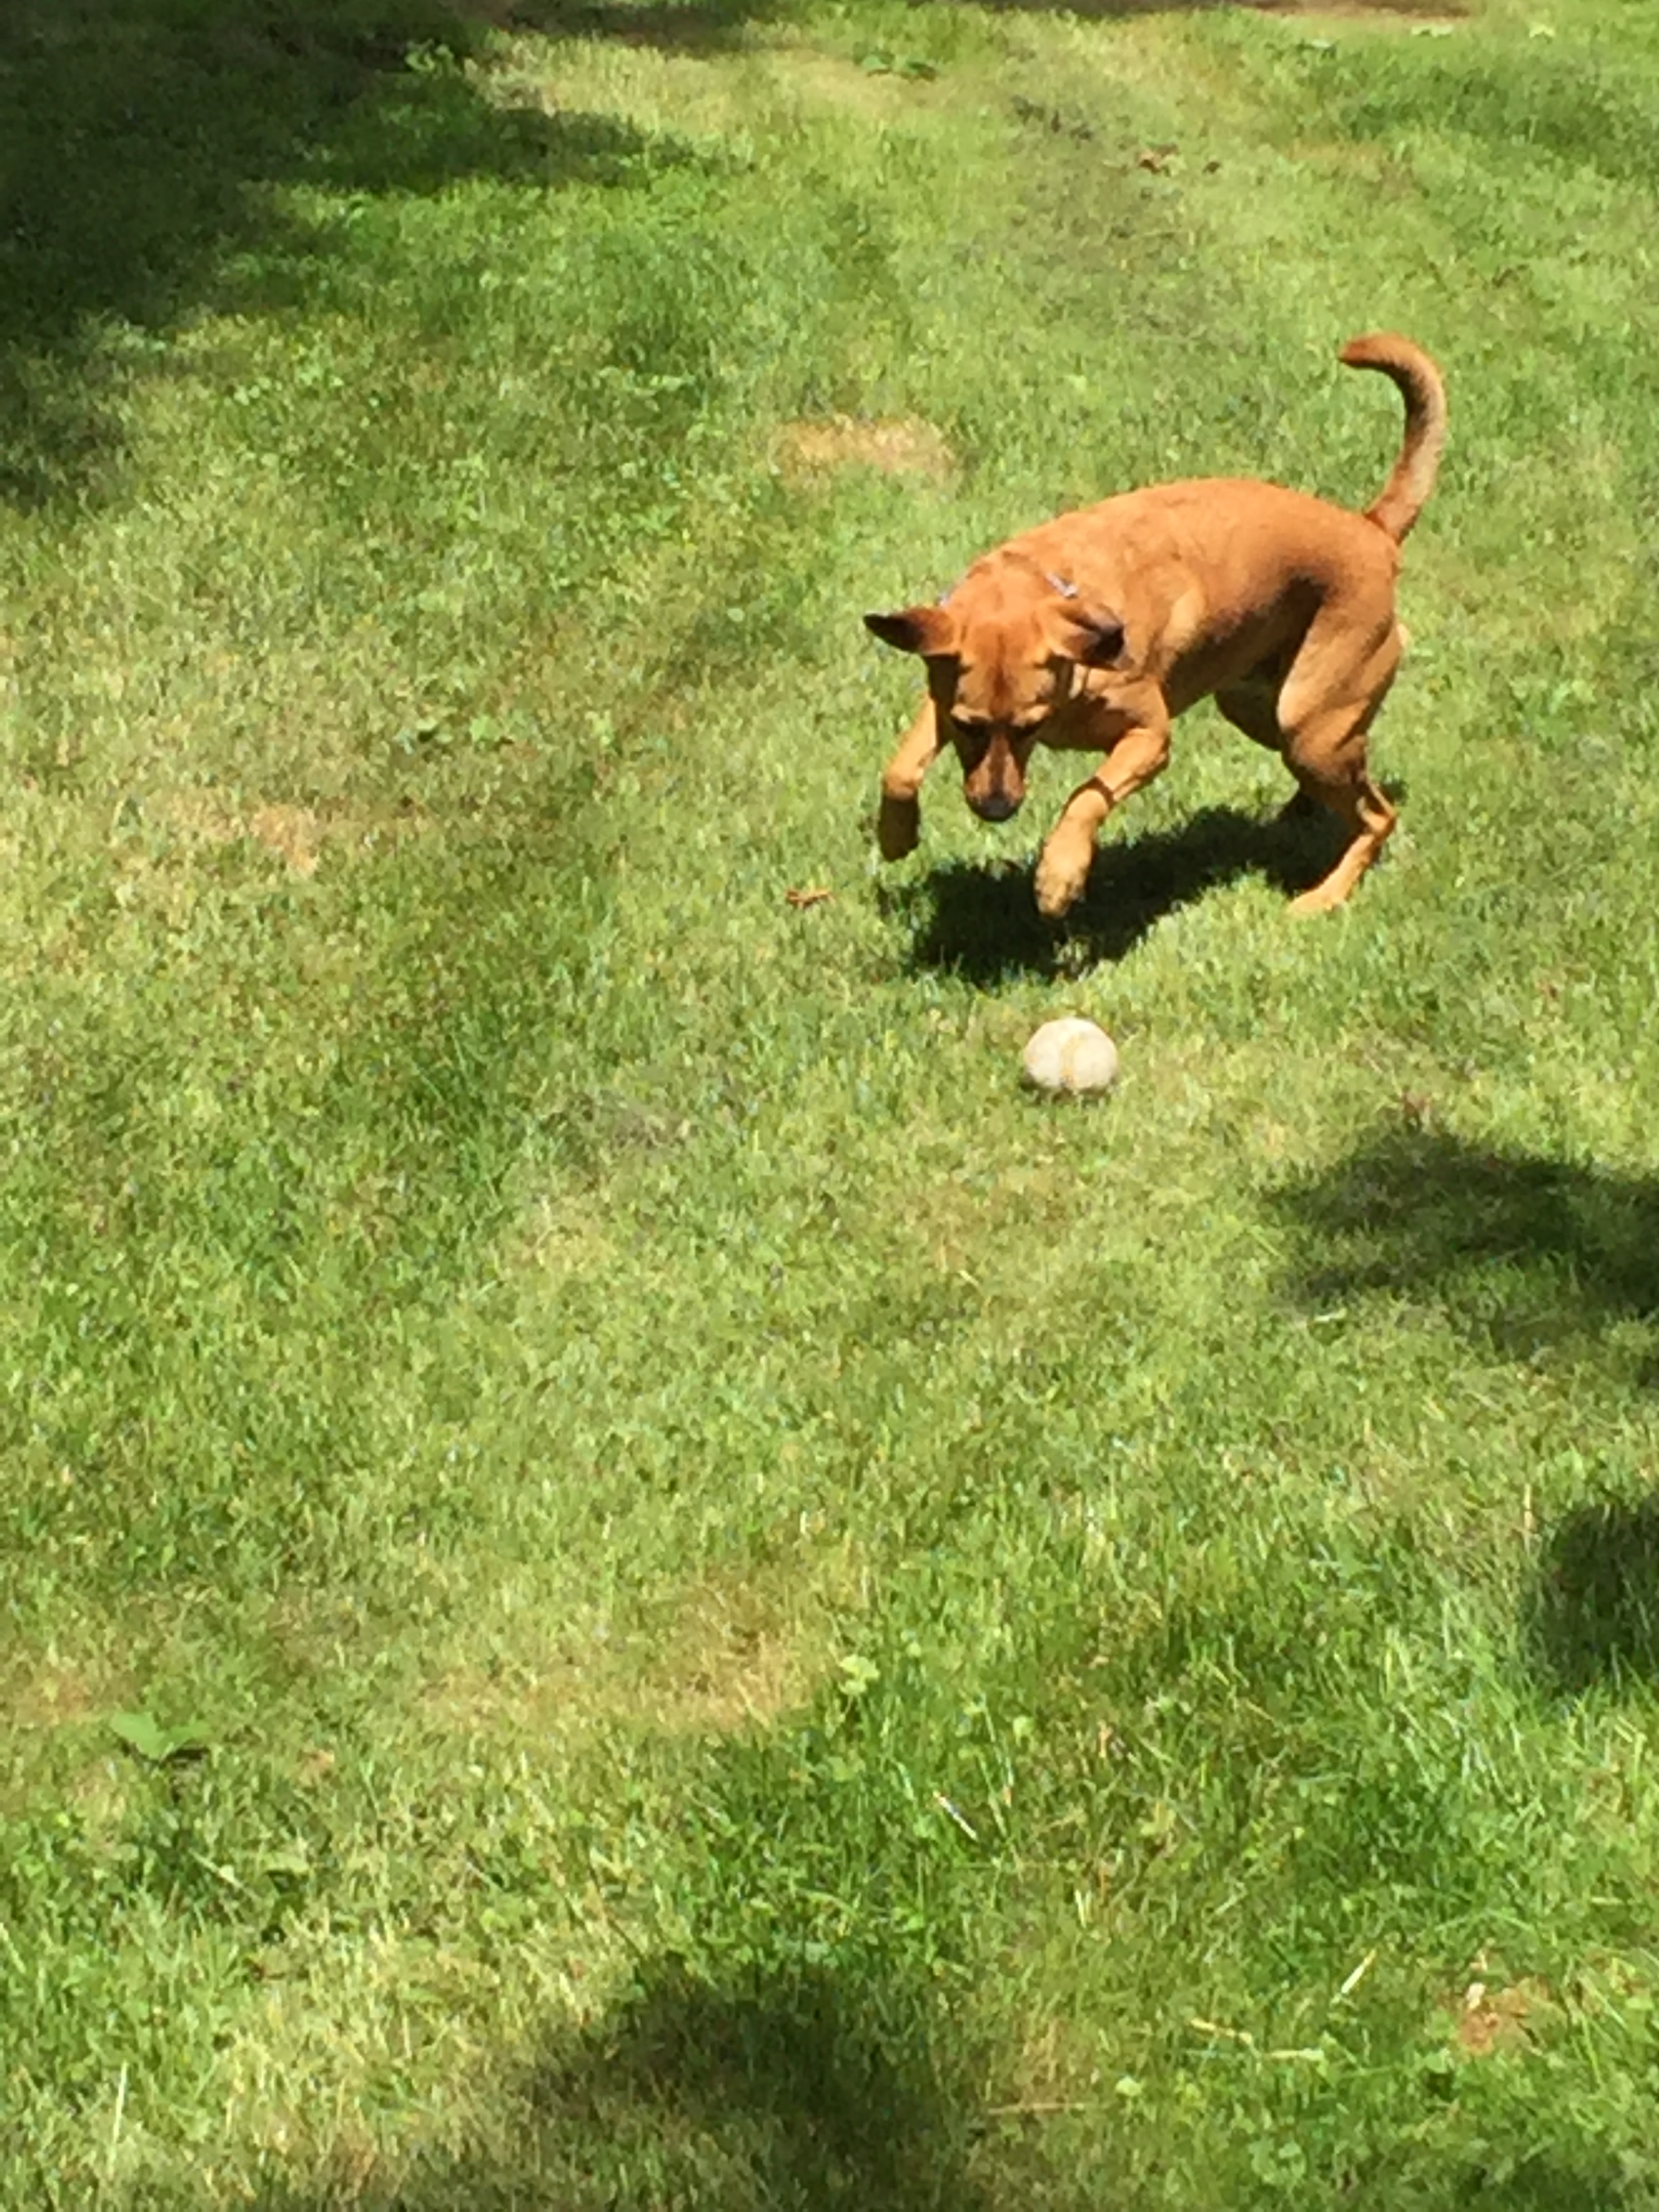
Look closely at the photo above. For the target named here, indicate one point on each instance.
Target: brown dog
(1092, 632)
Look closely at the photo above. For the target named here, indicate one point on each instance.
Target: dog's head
(1005, 651)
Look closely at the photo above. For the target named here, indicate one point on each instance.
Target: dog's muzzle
(993, 785)
(995, 807)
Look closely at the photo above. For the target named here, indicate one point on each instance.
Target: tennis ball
(1071, 1056)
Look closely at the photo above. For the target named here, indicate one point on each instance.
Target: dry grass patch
(1057, 2069)
(53, 1692)
(905, 445)
(295, 835)
(732, 1661)
(1403, 14)
(560, 1239)
(843, 88)
(726, 1655)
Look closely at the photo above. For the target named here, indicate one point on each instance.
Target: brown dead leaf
(816, 896)
(1490, 2020)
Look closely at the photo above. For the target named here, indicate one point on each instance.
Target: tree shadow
(141, 147)
(1594, 1616)
(1526, 1254)
(1532, 1259)
(793, 2094)
(982, 922)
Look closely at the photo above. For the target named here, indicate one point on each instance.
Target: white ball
(1071, 1055)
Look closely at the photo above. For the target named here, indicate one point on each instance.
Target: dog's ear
(1095, 639)
(916, 629)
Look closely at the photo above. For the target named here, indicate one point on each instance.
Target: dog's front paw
(1062, 876)
(1322, 899)
(898, 827)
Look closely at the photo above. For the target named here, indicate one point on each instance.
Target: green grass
(629, 1581)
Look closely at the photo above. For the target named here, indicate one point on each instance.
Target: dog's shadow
(980, 921)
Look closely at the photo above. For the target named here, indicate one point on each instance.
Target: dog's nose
(995, 807)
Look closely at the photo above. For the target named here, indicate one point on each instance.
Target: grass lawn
(630, 1582)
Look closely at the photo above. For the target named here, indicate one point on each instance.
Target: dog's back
(1208, 576)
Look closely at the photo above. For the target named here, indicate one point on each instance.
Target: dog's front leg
(1135, 758)
(898, 826)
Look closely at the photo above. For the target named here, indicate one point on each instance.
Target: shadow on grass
(1552, 2185)
(141, 142)
(1523, 1252)
(790, 2096)
(686, 27)
(981, 922)
(1596, 1602)
(702, 26)
(1378, 10)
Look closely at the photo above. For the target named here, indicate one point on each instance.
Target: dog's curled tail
(1404, 494)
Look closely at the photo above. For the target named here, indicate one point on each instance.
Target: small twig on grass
(951, 1813)
(1358, 1976)
(1040, 2108)
(115, 2124)
(1309, 2054)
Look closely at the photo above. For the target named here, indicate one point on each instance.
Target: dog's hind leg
(1255, 709)
(1369, 819)
(1326, 708)
(898, 826)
